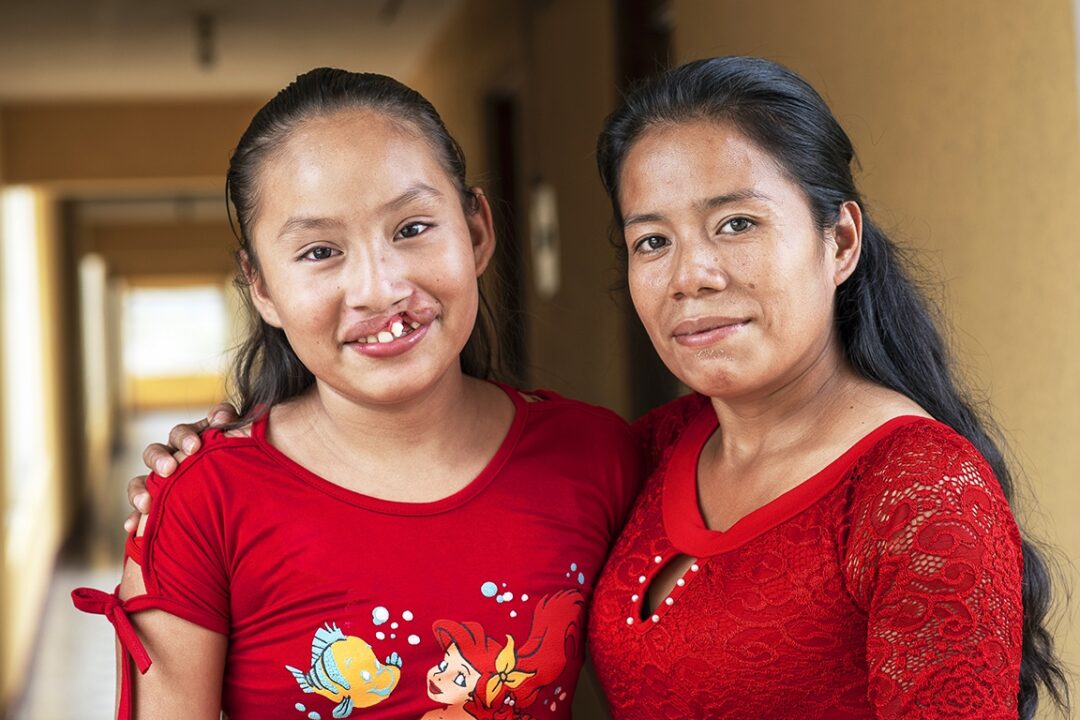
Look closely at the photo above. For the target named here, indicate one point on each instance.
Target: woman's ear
(260, 298)
(481, 230)
(847, 241)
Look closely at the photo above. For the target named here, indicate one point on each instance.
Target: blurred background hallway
(117, 312)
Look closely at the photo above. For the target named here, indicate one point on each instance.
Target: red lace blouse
(885, 586)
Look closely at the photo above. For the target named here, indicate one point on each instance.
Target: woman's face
(730, 276)
(366, 258)
(453, 680)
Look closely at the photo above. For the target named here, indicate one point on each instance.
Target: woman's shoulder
(661, 427)
(550, 404)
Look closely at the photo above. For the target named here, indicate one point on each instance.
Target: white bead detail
(694, 567)
(657, 559)
(669, 601)
(641, 579)
(656, 618)
(634, 597)
(629, 621)
(680, 582)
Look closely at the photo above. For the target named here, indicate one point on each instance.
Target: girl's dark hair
(266, 370)
(885, 325)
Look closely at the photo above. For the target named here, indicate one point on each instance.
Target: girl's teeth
(414, 325)
(372, 338)
(384, 336)
(397, 329)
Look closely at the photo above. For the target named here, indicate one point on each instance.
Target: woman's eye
(442, 666)
(459, 680)
(737, 225)
(319, 253)
(412, 229)
(652, 243)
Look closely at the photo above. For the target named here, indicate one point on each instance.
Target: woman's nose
(697, 269)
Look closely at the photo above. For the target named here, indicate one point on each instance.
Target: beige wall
(24, 578)
(559, 58)
(964, 115)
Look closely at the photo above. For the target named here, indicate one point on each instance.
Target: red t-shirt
(339, 604)
(885, 586)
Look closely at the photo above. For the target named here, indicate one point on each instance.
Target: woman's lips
(706, 331)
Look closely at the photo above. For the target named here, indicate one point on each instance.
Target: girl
(376, 481)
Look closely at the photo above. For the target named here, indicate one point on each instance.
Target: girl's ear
(481, 230)
(847, 241)
(260, 298)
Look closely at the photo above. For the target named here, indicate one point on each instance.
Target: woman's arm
(184, 682)
(164, 459)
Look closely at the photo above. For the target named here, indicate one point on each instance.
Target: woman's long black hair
(266, 370)
(885, 325)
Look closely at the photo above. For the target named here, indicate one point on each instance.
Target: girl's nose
(375, 279)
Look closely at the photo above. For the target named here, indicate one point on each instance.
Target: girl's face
(366, 257)
(452, 681)
(728, 272)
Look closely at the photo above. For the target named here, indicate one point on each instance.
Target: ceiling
(120, 49)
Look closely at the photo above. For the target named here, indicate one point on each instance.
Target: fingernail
(161, 467)
(128, 525)
(219, 418)
(189, 445)
(142, 502)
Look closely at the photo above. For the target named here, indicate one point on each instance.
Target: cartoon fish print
(344, 669)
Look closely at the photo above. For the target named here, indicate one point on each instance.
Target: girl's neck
(420, 449)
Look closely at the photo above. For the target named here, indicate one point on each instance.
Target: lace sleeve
(933, 559)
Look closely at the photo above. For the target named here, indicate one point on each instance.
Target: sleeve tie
(111, 606)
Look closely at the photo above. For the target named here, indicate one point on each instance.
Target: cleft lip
(360, 331)
(694, 326)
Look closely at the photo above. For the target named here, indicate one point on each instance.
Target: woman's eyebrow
(710, 203)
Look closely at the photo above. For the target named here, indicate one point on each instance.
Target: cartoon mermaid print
(481, 679)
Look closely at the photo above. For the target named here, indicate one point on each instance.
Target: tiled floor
(73, 672)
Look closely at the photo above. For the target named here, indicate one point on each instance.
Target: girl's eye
(737, 225)
(412, 229)
(442, 666)
(652, 243)
(319, 253)
(459, 680)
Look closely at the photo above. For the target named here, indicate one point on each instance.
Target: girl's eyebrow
(711, 203)
(303, 222)
(416, 191)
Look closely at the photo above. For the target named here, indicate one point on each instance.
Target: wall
(33, 532)
(558, 58)
(965, 121)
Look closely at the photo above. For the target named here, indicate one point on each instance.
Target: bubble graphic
(380, 635)
(489, 589)
(524, 598)
(393, 636)
(314, 716)
(300, 707)
(393, 626)
(513, 613)
(414, 639)
(380, 615)
(581, 578)
(573, 566)
(499, 599)
(507, 596)
(407, 616)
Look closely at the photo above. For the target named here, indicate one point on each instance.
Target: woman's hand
(164, 459)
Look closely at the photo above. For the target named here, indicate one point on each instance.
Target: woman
(376, 483)
(826, 531)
